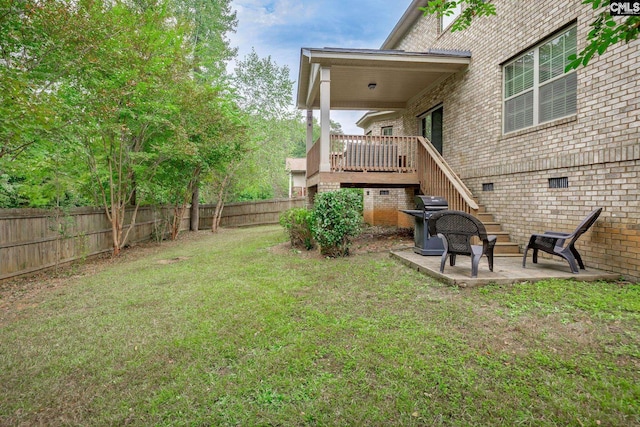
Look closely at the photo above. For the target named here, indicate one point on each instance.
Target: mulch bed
(372, 239)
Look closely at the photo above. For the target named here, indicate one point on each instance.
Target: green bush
(337, 216)
(297, 222)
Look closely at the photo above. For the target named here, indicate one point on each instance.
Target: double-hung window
(536, 87)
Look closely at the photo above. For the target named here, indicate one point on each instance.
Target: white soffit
(398, 76)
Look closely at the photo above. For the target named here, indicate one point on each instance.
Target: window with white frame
(445, 20)
(387, 130)
(536, 87)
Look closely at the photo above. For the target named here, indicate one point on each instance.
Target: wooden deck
(387, 161)
(366, 179)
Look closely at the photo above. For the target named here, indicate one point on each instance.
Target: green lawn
(235, 334)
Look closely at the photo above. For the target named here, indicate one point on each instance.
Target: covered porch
(376, 80)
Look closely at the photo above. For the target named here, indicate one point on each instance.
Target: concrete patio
(506, 270)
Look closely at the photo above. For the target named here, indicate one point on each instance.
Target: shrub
(337, 216)
(297, 222)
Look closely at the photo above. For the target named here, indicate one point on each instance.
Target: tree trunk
(178, 214)
(117, 218)
(116, 231)
(195, 209)
(217, 215)
(215, 222)
(175, 222)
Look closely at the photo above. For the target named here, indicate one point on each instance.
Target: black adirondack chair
(555, 243)
(456, 229)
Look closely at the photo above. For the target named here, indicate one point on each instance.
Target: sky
(280, 28)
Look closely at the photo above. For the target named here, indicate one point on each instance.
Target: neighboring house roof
(396, 76)
(373, 116)
(296, 165)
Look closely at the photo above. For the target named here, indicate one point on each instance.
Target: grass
(232, 333)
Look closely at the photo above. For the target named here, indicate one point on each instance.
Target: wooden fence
(35, 239)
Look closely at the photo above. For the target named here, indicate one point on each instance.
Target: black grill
(430, 204)
(425, 207)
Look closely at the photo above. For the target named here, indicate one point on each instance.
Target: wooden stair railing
(438, 179)
(313, 159)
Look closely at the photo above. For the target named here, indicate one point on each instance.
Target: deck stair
(504, 245)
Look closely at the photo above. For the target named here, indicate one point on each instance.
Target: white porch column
(309, 129)
(325, 124)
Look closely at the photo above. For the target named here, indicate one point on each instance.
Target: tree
(209, 137)
(263, 87)
(134, 87)
(44, 175)
(470, 10)
(606, 29)
(119, 101)
(265, 94)
(210, 21)
(36, 38)
(606, 32)
(335, 128)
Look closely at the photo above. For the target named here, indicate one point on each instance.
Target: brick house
(494, 112)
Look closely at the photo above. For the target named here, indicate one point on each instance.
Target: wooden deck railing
(399, 154)
(365, 153)
(438, 179)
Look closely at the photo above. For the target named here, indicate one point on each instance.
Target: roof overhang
(373, 116)
(398, 76)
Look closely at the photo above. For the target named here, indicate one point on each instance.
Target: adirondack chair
(456, 229)
(555, 243)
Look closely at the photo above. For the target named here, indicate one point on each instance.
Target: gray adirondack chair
(561, 244)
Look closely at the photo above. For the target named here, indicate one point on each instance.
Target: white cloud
(267, 13)
(280, 28)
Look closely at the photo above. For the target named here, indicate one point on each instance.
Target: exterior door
(431, 127)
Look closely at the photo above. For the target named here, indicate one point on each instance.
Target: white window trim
(447, 21)
(536, 84)
(420, 117)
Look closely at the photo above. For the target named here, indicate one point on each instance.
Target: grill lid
(426, 202)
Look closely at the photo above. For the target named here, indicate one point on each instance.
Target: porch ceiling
(398, 76)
